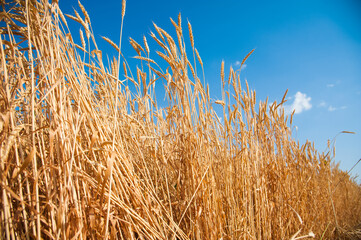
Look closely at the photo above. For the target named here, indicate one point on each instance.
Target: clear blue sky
(311, 47)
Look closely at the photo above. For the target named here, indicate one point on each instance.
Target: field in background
(85, 157)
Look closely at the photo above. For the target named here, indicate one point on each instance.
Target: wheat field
(88, 153)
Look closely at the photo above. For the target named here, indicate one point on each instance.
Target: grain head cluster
(87, 151)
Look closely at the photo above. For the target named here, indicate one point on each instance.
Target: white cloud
(237, 63)
(322, 104)
(300, 103)
(330, 85)
(331, 109)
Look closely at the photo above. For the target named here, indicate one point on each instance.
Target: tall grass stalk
(84, 157)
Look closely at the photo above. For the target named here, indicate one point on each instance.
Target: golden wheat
(83, 156)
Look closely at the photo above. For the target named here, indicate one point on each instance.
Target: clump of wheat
(83, 156)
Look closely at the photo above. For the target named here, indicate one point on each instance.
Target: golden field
(88, 153)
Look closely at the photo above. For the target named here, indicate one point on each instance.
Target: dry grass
(84, 157)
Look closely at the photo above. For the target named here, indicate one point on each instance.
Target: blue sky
(310, 47)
